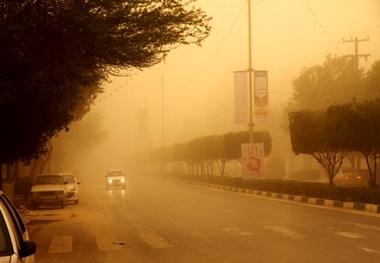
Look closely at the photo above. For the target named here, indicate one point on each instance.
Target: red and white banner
(261, 102)
(241, 97)
(253, 161)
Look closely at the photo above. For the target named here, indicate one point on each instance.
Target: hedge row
(306, 189)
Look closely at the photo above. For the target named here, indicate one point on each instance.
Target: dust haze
(194, 86)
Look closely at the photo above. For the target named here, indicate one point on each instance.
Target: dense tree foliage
(312, 132)
(201, 154)
(335, 81)
(328, 135)
(234, 140)
(373, 80)
(359, 123)
(55, 55)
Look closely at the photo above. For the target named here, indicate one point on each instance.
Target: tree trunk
(45, 160)
(221, 166)
(371, 170)
(33, 168)
(9, 170)
(16, 170)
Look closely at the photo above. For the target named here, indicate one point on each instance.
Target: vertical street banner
(253, 161)
(261, 102)
(241, 97)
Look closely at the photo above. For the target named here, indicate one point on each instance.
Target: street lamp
(250, 74)
(162, 99)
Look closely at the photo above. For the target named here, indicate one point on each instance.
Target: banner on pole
(253, 161)
(261, 101)
(241, 97)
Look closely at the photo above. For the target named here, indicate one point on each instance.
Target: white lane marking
(214, 207)
(369, 250)
(285, 231)
(61, 244)
(106, 242)
(363, 226)
(154, 240)
(229, 211)
(199, 234)
(349, 234)
(238, 232)
(344, 234)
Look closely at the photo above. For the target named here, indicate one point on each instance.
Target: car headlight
(122, 180)
(110, 180)
(73, 189)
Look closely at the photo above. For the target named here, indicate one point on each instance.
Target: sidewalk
(34, 220)
(43, 214)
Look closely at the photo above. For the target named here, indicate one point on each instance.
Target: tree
(317, 87)
(333, 82)
(55, 55)
(315, 132)
(373, 80)
(363, 123)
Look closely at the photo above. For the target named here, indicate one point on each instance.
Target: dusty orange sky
(198, 81)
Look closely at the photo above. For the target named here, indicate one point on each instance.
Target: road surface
(164, 221)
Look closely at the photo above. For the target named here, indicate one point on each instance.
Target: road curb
(310, 200)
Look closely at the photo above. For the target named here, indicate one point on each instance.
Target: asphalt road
(155, 220)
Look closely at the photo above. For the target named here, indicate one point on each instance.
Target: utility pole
(357, 55)
(356, 64)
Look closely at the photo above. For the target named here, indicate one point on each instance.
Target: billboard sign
(253, 160)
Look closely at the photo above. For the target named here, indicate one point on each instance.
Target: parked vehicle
(350, 178)
(72, 185)
(49, 189)
(308, 175)
(115, 178)
(15, 245)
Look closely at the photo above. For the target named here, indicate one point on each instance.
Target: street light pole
(162, 109)
(162, 100)
(250, 74)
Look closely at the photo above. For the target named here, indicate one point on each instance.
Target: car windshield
(115, 173)
(48, 179)
(69, 179)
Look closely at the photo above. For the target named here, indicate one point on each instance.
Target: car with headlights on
(15, 245)
(72, 185)
(50, 190)
(115, 178)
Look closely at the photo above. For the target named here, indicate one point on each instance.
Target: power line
(364, 31)
(217, 51)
